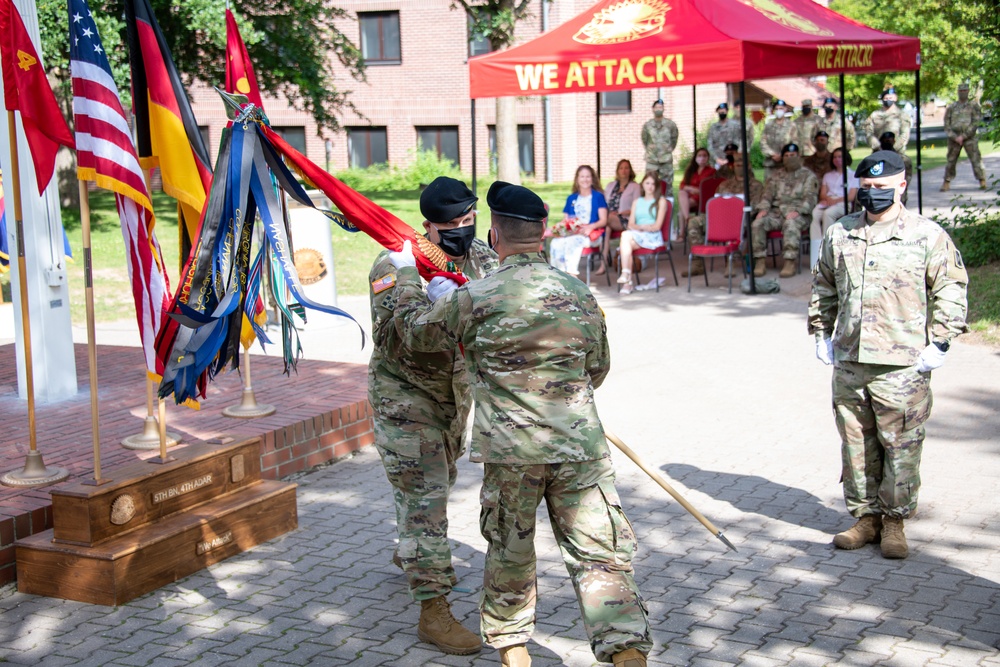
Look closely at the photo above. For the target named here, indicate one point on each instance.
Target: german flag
(166, 128)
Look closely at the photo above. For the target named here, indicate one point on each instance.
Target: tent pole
(597, 115)
(843, 143)
(694, 119)
(920, 176)
(473, 129)
(747, 208)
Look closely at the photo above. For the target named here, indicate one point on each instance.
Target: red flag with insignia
(240, 77)
(26, 89)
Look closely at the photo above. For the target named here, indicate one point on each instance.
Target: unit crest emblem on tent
(784, 16)
(625, 21)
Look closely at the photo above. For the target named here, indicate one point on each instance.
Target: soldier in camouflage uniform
(819, 162)
(787, 204)
(888, 119)
(831, 125)
(421, 405)
(806, 126)
(733, 185)
(779, 132)
(537, 342)
(659, 137)
(721, 135)
(961, 123)
(888, 297)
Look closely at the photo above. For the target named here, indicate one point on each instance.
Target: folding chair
(723, 226)
(594, 252)
(657, 251)
(706, 190)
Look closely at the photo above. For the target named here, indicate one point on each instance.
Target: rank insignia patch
(383, 283)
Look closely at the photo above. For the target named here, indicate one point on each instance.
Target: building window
(367, 146)
(380, 37)
(478, 43)
(294, 135)
(616, 102)
(525, 148)
(441, 140)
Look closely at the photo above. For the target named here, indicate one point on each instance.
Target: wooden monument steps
(153, 524)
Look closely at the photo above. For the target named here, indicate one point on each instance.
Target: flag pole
(88, 289)
(34, 473)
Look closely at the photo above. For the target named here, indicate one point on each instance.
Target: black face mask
(806, 111)
(829, 110)
(876, 200)
(456, 242)
(888, 103)
(722, 116)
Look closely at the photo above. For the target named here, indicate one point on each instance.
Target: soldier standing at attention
(831, 125)
(721, 135)
(421, 404)
(890, 118)
(537, 343)
(888, 297)
(806, 126)
(778, 133)
(787, 204)
(961, 123)
(659, 136)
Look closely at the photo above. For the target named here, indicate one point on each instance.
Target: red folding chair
(657, 251)
(594, 252)
(723, 227)
(706, 190)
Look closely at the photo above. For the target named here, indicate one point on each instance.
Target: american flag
(107, 156)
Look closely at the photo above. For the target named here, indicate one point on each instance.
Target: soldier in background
(778, 132)
(721, 135)
(819, 162)
(733, 185)
(961, 123)
(421, 405)
(831, 125)
(883, 341)
(659, 137)
(887, 141)
(726, 170)
(890, 118)
(805, 128)
(787, 204)
(538, 343)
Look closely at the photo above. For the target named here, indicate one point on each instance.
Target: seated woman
(687, 198)
(620, 194)
(830, 207)
(583, 225)
(646, 228)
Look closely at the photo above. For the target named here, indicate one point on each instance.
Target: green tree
(290, 43)
(496, 21)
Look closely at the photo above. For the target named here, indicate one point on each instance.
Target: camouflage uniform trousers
(420, 488)
(790, 229)
(880, 412)
(597, 544)
(666, 172)
(975, 158)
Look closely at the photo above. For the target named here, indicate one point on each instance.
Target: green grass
(984, 302)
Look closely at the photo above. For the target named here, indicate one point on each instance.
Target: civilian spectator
(583, 225)
(620, 195)
(646, 230)
(687, 198)
(831, 201)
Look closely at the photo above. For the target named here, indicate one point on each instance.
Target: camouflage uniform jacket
(734, 186)
(777, 134)
(416, 387)
(537, 344)
(890, 294)
(818, 164)
(893, 120)
(962, 119)
(806, 128)
(787, 192)
(723, 133)
(832, 127)
(660, 139)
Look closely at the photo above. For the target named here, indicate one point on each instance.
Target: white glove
(824, 350)
(404, 257)
(440, 286)
(932, 357)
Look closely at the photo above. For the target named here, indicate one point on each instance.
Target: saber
(614, 440)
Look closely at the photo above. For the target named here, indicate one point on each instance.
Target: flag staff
(88, 290)
(34, 473)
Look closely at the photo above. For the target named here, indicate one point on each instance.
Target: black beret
(723, 106)
(446, 199)
(830, 100)
(880, 163)
(657, 102)
(730, 147)
(781, 103)
(888, 91)
(788, 148)
(821, 133)
(887, 136)
(515, 201)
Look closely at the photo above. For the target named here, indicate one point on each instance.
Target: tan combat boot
(861, 533)
(515, 656)
(439, 627)
(982, 183)
(697, 268)
(760, 267)
(787, 269)
(893, 539)
(946, 186)
(629, 658)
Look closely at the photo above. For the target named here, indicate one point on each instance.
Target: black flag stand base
(34, 473)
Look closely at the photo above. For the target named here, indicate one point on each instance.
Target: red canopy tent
(626, 44)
